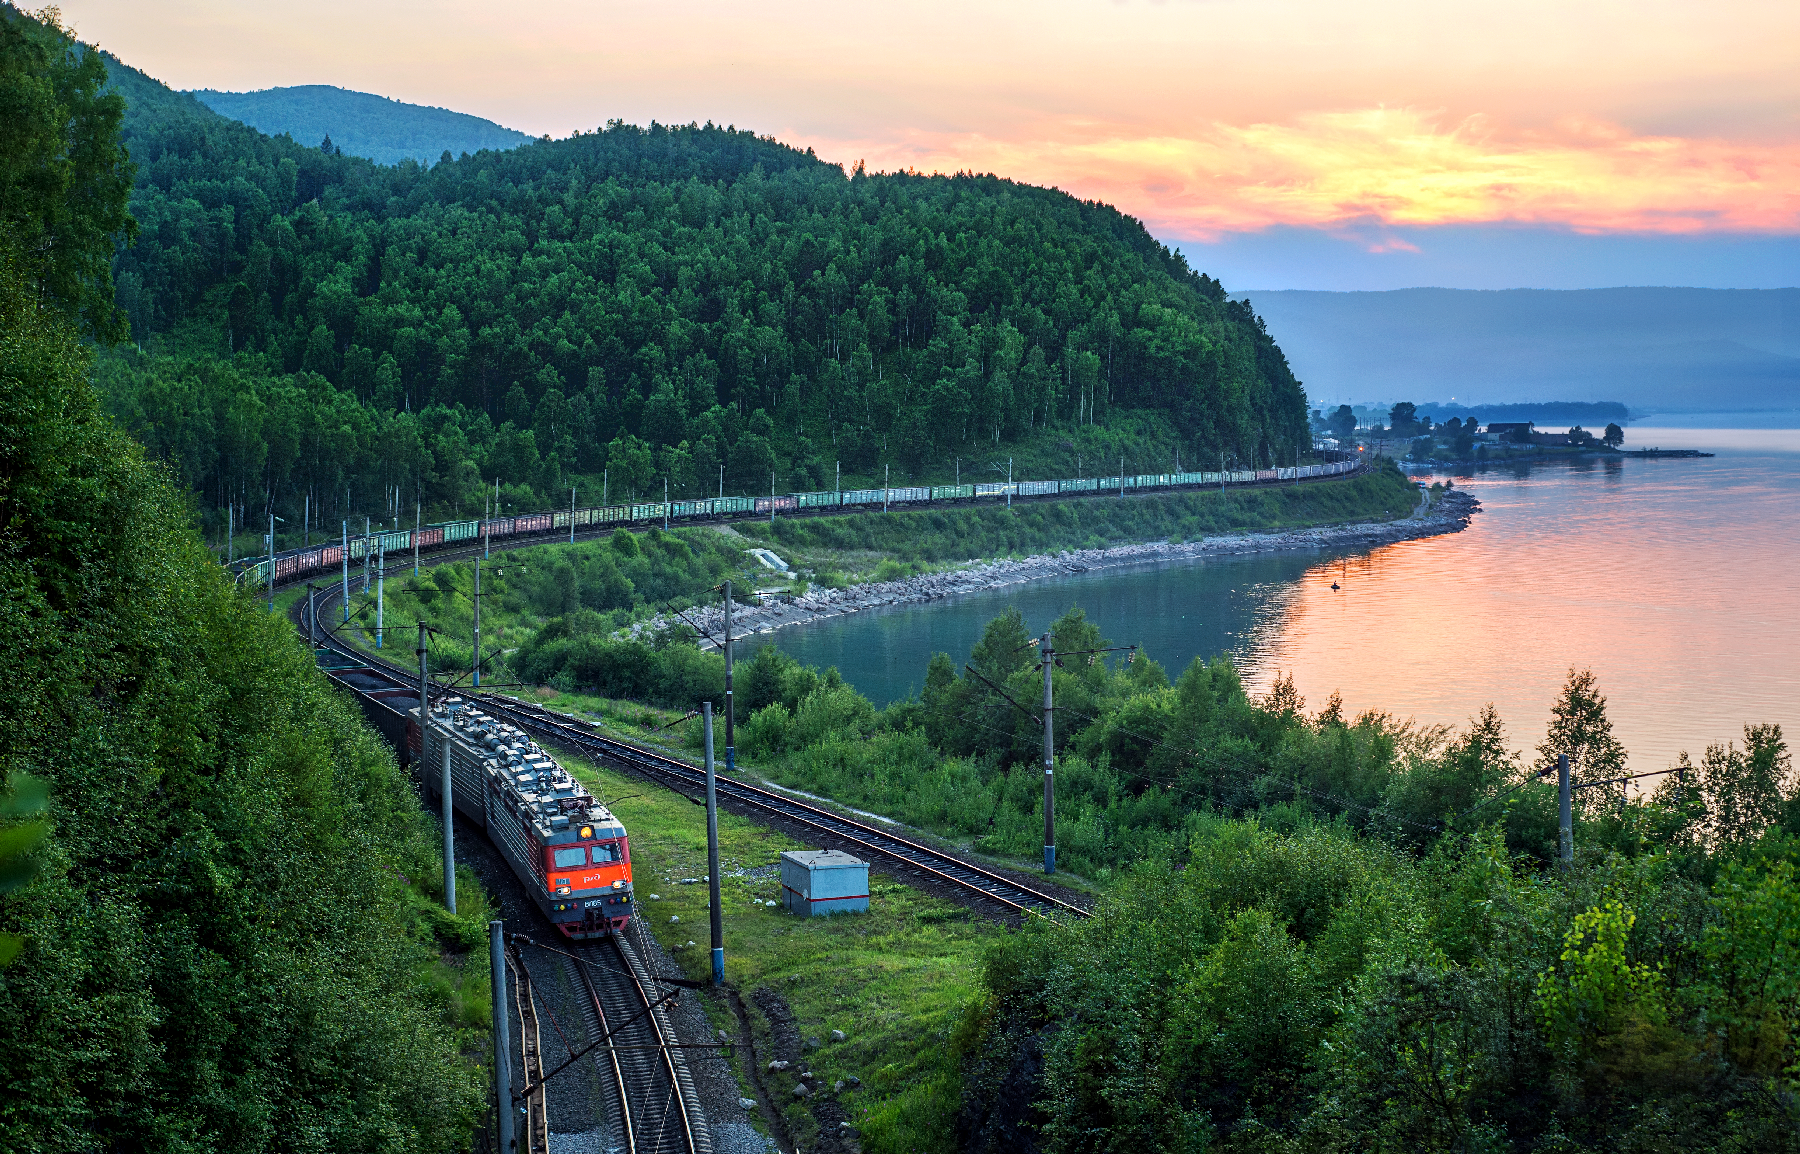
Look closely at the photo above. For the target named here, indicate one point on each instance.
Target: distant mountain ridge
(1655, 349)
(362, 124)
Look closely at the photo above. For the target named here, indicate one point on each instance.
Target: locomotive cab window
(570, 857)
(607, 852)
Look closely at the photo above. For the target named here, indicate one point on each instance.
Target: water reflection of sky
(1673, 580)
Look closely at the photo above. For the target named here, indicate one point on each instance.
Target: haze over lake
(1676, 581)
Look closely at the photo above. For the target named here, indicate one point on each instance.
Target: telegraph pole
(730, 709)
(503, 1103)
(712, 851)
(1564, 812)
(1049, 762)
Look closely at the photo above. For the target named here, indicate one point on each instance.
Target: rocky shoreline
(1450, 514)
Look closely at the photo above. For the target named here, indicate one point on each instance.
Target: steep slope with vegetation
(632, 305)
(229, 937)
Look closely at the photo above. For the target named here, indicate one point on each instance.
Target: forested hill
(652, 302)
(361, 123)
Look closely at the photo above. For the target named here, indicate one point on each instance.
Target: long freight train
(330, 557)
(570, 852)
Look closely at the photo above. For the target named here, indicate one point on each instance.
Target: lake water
(1676, 581)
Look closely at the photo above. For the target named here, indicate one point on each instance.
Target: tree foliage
(64, 176)
(646, 304)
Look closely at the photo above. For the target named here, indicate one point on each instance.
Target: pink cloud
(1394, 167)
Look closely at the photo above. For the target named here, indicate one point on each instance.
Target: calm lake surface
(1676, 581)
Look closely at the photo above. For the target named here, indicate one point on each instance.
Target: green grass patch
(898, 980)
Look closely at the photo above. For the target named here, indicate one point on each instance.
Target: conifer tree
(1579, 727)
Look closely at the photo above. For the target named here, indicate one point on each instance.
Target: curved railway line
(653, 1107)
(938, 867)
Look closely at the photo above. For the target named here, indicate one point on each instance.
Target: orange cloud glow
(1390, 166)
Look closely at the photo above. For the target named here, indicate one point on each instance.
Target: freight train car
(568, 850)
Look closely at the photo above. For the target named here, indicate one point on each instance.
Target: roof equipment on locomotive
(568, 849)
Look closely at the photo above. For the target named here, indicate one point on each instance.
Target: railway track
(934, 865)
(536, 1129)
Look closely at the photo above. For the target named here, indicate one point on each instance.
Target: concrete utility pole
(1049, 762)
(721, 482)
(271, 555)
(312, 619)
(712, 851)
(306, 522)
(381, 594)
(730, 709)
(884, 488)
(418, 525)
(837, 486)
(230, 532)
(665, 512)
(1009, 461)
(503, 1103)
(1565, 822)
(771, 498)
(444, 786)
(1121, 474)
(475, 661)
(572, 514)
(346, 559)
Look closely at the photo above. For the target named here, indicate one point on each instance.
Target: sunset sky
(1281, 143)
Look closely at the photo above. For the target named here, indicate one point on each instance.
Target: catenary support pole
(475, 661)
(312, 620)
(712, 851)
(381, 594)
(665, 512)
(271, 562)
(1049, 762)
(418, 526)
(1009, 482)
(504, 1109)
(572, 513)
(1565, 823)
(884, 488)
(346, 559)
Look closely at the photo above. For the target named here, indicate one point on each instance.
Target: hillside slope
(637, 304)
(361, 123)
(1662, 349)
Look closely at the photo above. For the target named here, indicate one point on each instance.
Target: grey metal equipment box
(815, 882)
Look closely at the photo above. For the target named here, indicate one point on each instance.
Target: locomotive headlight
(619, 885)
(587, 831)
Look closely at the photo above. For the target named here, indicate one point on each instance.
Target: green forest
(317, 335)
(220, 918)
(1315, 931)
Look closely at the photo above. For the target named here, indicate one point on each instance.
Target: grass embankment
(897, 980)
(856, 546)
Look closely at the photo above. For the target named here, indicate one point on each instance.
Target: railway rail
(934, 865)
(536, 1130)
